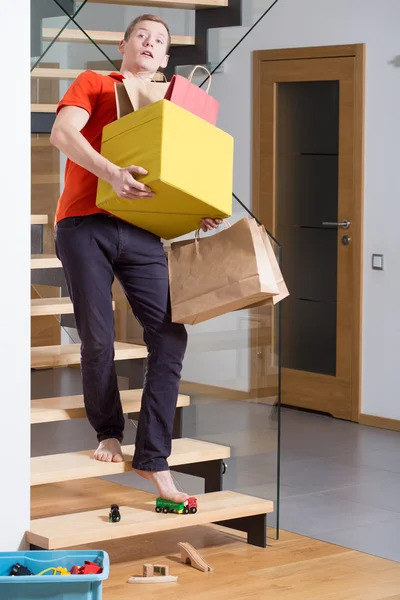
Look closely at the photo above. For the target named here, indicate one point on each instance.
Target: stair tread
(50, 73)
(81, 465)
(39, 219)
(52, 306)
(93, 526)
(103, 37)
(184, 4)
(43, 108)
(64, 355)
(46, 410)
(41, 141)
(45, 261)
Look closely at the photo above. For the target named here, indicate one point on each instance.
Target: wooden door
(308, 148)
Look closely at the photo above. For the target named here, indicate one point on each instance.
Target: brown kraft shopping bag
(283, 290)
(135, 93)
(219, 274)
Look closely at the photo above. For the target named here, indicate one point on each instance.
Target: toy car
(167, 506)
(114, 515)
(18, 570)
(89, 568)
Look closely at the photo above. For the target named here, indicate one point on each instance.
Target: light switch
(377, 262)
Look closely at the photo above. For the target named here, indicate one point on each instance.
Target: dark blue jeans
(94, 249)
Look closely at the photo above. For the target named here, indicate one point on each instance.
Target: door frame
(267, 213)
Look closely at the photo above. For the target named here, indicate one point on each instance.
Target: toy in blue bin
(52, 587)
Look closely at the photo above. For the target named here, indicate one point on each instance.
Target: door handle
(345, 224)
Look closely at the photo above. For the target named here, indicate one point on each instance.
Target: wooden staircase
(191, 456)
(196, 457)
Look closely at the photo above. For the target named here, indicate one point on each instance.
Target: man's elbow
(56, 136)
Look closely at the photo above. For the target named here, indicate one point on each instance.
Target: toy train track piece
(191, 556)
(155, 579)
(168, 506)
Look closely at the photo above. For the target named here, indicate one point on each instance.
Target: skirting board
(381, 422)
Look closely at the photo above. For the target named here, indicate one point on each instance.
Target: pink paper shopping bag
(187, 95)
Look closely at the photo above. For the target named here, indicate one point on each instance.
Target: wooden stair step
(45, 179)
(62, 356)
(81, 465)
(45, 261)
(52, 306)
(103, 37)
(93, 526)
(43, 108)
(39, 219)
(49, 73)
(64, 408)
(186, 4)
(42, 140)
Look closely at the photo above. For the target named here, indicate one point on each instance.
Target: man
(94, 247)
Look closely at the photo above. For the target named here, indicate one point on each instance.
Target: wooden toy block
(161, 570)
(148, 570)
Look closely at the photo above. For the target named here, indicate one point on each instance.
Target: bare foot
(165, 485)
(109, 451)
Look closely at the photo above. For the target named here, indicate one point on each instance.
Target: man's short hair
(154, 18)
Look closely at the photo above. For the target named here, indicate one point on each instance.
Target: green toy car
(167, 506)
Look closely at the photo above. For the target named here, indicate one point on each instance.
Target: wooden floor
(293, 568)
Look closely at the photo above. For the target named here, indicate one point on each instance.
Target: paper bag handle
(226, 223)
(204, 69)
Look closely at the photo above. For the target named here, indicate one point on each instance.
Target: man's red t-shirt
(96, 94)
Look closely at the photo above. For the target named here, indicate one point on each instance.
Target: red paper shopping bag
(184, 93)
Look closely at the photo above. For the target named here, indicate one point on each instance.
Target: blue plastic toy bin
(52, 587)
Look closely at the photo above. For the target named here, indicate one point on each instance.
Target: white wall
(292, 23)
(15, 274)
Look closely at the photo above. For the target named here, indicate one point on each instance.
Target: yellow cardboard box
(189, 164)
